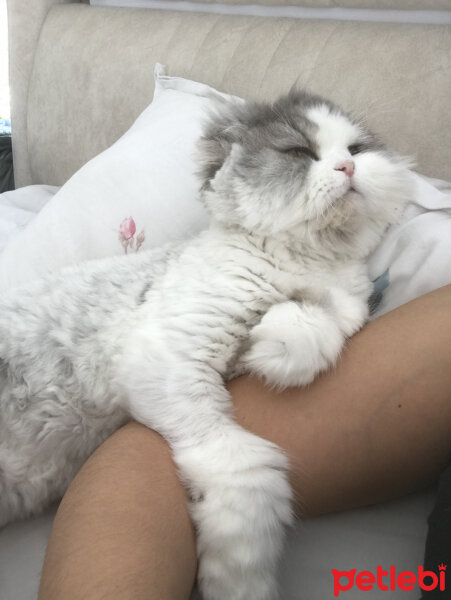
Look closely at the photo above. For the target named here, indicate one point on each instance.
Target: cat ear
(222, 129)
(212, 153)
(217, 190)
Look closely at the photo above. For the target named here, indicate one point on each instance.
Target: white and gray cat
(299, 194)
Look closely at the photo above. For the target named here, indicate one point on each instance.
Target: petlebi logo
(389, 580)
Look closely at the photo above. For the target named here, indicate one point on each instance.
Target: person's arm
(376, 427)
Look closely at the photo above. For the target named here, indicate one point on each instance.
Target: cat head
(299, 162)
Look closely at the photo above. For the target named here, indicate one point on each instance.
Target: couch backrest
(91, 75)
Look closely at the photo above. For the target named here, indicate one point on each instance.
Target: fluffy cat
(299, 194)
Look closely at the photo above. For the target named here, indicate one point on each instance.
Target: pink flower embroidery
(127, 230)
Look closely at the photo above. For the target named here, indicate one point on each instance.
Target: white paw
(241, 530)
(351, 311)
(240, 517)
(218, 581)
(293, 343)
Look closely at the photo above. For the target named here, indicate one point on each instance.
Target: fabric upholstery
(24, 25)
(379, 4)
(89, 85)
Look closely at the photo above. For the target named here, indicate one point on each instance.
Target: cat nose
(347, 166)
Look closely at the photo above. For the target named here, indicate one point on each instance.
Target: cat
(299, 194)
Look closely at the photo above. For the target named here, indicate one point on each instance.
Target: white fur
(81, 353)
(293, 343)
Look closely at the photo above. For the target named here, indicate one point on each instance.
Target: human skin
(375, 427)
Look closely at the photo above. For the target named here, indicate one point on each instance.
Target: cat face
(301, 161)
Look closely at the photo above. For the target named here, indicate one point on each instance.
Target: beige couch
(80, 75)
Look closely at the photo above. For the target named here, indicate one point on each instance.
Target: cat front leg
(240, 505)
(240, 498)
(294, 342)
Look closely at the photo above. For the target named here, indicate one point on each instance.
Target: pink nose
(347, 166)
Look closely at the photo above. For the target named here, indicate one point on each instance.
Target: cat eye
(356, 148)
(300, 151)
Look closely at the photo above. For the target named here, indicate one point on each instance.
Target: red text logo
(388, 580)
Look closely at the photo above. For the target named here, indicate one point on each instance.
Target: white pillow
(140, 193)
(414, 256)
(19, 207)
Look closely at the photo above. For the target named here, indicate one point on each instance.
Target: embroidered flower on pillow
(127, 230)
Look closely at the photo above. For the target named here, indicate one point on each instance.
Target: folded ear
(211, 155)
(223, 128)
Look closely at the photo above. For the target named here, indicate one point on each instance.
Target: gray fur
(268, 135)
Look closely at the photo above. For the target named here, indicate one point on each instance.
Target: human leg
(122, 529)
(375, 427)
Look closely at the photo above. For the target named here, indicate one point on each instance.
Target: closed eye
(356, 149)
(300, 151)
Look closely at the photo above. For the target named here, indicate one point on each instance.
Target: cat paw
(293, 343)
(217, 583)
(351, 311)
(241, 515)
(240, 537)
